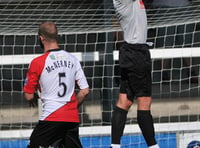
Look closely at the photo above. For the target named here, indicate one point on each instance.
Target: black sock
(145, 122)
(118, 123)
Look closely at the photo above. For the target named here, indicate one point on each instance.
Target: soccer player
(135, 68)
(55, 74)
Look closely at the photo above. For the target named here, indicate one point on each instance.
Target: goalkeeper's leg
(145, 121)
(119, 119)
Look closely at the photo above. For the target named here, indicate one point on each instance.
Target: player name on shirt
(58, 64)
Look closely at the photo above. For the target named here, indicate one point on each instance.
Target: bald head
(49, 31)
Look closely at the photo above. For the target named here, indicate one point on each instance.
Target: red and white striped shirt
(56, 72)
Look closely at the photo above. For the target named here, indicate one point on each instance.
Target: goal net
(89, 30)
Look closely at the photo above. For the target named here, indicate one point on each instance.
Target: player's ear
(41, 37)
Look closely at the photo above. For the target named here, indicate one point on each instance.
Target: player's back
(133, 20)
(57, 80)
(58, 72)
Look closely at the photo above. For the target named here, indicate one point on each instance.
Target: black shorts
(46, 134)
(135, 69)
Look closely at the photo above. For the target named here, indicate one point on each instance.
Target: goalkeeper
(135, 68)
(56, 71)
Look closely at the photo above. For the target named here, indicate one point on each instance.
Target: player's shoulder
(40, 58)
(73, 56)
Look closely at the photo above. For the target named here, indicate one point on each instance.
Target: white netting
(89, 29)
(23, 17)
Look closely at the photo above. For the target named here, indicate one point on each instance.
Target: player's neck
(50, 46)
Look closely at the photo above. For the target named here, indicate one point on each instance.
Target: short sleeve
(80, 77)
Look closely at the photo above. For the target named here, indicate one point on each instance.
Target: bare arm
(32, 98)
(28, 96)
(82, 95)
